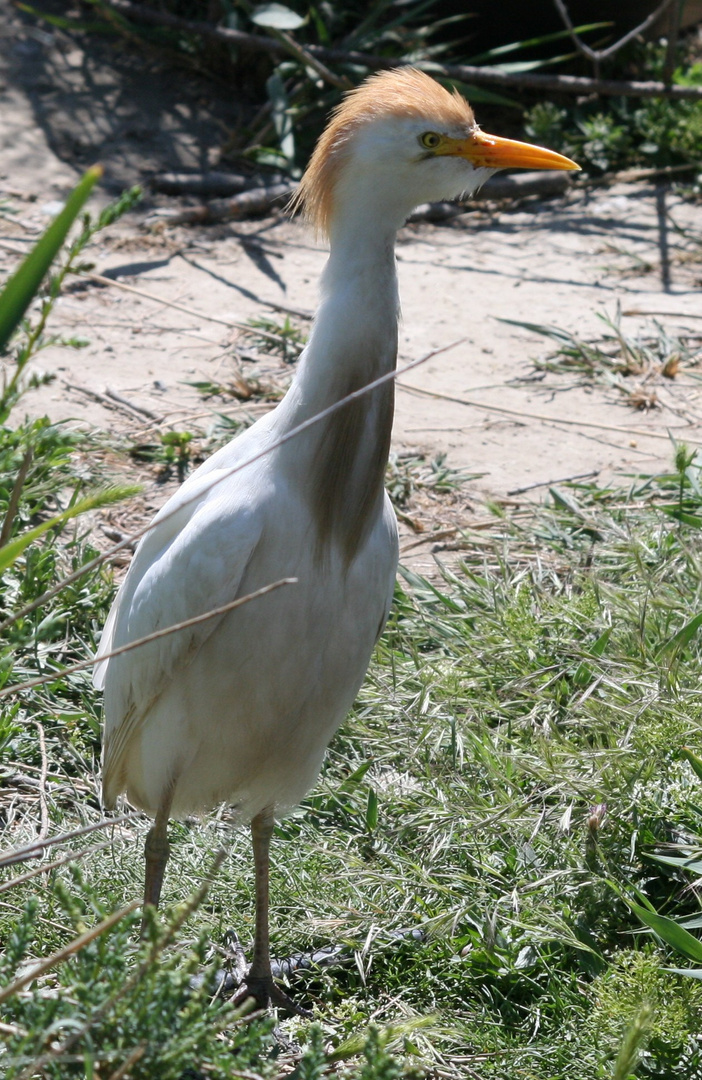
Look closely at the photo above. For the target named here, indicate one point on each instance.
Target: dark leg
(156, 851)
(259, 980)
(259, 983)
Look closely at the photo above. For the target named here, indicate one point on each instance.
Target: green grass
(514, 757)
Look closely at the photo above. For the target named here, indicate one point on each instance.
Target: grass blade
(683, 637)
(671, 932)
(22, 287)
(13, 550)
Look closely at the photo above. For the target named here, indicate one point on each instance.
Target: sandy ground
(482, 402)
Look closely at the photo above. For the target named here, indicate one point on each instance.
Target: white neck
(341, 461)
(354, 337)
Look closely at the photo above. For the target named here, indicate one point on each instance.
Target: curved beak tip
(494, 152)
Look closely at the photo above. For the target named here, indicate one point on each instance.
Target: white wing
(191, 562)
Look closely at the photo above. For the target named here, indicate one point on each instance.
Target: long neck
(354, 340)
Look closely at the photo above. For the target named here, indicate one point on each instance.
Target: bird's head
(401, 139)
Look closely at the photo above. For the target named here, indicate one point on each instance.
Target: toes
(281, 1000)
(264, 992)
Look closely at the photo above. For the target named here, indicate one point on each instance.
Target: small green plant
(645, 1010)
(274, 336)
(42, 487)
(173, 450)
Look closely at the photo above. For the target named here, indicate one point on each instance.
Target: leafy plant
(172, 450)
(654, 132)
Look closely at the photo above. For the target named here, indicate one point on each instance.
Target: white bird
(240, 708)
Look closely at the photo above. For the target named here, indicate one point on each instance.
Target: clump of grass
(409, 472)
(283, 338)
(634, 365)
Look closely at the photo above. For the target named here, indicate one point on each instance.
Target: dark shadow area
(263, 264)
(100, 99)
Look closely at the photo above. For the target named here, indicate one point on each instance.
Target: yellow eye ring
(430, 140)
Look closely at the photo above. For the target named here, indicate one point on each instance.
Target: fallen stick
(565, 84)
(218, 184)
(139, 409)
(664, 314)
(112, 401)
(232, 323)
(548, 483)
(256, 201)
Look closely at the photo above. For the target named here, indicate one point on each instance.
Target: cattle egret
(240, 708)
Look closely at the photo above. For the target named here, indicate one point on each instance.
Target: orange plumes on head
(404, 93)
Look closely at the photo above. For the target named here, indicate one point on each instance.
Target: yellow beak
(492, 152)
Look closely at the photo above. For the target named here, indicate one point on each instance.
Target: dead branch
(213, 184)
(83, 665)
(597, 55)
(544, 418)
(110, 400)
(564, 84)
(44, 828)
(140, 410)
(36, 849)
(256, 201)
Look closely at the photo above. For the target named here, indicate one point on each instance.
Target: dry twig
(520, 414)
(44, 827)
(597, 55)
(259, 200)
(36, 849)
(82, 665)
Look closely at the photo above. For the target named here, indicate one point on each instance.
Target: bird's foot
(265, 992)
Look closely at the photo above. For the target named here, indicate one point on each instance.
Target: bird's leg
(259, 983)
(261, 832)
(156, 851)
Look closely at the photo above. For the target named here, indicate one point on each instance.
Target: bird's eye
(430, 140)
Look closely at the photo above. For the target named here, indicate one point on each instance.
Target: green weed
(651, 133)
